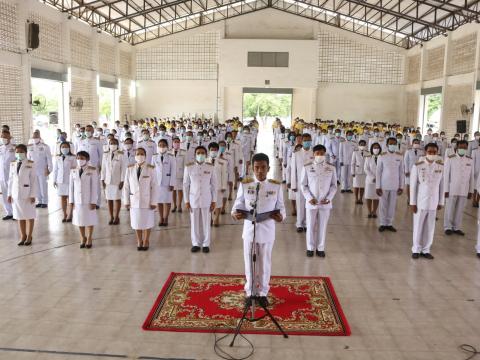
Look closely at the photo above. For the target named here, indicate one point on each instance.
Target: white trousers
(42, 197)
(263, 268)
(346, 177)
(200, 226)
(423, 230)
(317, 220)
(388, 201)
(477, 247)
(454, 212)
(6, 205)
(339, 170)
(300, 205)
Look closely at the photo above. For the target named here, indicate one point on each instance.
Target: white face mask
(162, 150)
(361, 147)
(416, 146)
(89, 133)
(319, 158)
(113, 147)
(36, 140)
(213, 154)
(4, 141)
(65, 151)
(376, 151)
(81, 162)
(139, 158)
(431, 157)
(128, 146)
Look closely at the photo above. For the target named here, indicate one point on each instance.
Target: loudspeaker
(461, 126)
(33, 40)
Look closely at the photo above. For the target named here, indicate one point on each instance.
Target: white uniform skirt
(220, 196)
(84, 216)
(178, 184)
(371, 192)
(23, 209)
(359, 181)
(291, 195)
(62, 189)
(142, 219)
(164, 195)
(112, 192)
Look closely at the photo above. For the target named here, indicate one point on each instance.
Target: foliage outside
(267, 105)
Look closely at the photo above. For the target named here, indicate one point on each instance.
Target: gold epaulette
(297, 150)
(383, 153)
(468, 157)
(120, 152)
(398, 153)
(106, 152)
(151, 166)
(451, 156)
(190, 164)
(131, 165)
(30, 161)
(274, 181)
(419, 162)
(208, 164)
(439, 162)
(247, 180)
(368, 155)
(331, 165)
(309, 163)
(91, 167)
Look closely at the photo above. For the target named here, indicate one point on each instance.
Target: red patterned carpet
(214, 303)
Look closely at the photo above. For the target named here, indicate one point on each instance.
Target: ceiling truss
(403, 23)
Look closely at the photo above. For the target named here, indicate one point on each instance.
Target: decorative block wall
(81, 52)
(125, 102)
(51, 39)
(413, 69)
(83, 88)
(413, 99)
(462, 55)
(8, 26)
(434, 63)
(126, 64)
(347, 61)
(454, 97)
(106, 59)
(191, 58)
(11, 99)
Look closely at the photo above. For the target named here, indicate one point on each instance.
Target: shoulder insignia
(419, 162)
(247, 180)
(29, 145)
(451, 156)
(383, 153)
(210, 164)
(398, 153)
(368, 155)
(30, 161)
(106, 152)
(440, 162)
(276, 182)
(120, 152)
(190, 164)
(131, 165)
(309, 163)
(468, 157)
(92, 167)
(151, 166)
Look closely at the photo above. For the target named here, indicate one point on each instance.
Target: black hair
(462, 142)
(213, 145)
(21, 147)
(163, 141)
(141, 148)
(201, 147)
(431, 145)
(69, 147)
(392, 138)
(319, 148)
(260, 157)
(371, 147)
(362, 141)
(84, 154)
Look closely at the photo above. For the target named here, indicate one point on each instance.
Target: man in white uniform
(459, 185)
(319, 185)
(200, 190)
(389, 184)
(148, 144)
(411, 157)
(40, 154)
(270, 198)
(7, 155)
(426, 197)
(347, 147)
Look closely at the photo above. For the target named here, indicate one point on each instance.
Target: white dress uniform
(7, 155)
(114, 166)
(235, 149)
(42, 157)
(189, 148)
(410, 158)
(472, 145)
(426, 192)
(61, 172)
(200, 190)
(150, 149)
(166, 172)
(179, 157)
(221, 174)
(333, 150)
(377, 139)
(22, 186)
(389, 177)
(319, 181)
(476, 163)
(130, 156)
(94, 148)
(270, 197)
(458, 183)
(299, 159)
(84, 192)
(345, 157)
(358, 168)
(140, 191)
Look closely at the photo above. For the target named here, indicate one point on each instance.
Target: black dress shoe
(22, 242)
(38, 206)
(382, 228)
(370, 216)
(299, 230)
(28, 242)
(145, 248)
(248, 301)
(374, 216)
(391, 228)
(139, 248)
(195, 249)
(415, 255)
(180, 210)
(428, 256)
(309, 253)
(320, 253)
(263, 301)
(7, 217)
(88, 246)
(82, 246)
(174, 210)
(206, 249)
(342, 191)
(69, 220)
(305, 229)
(44, 206)
(459, 232)
(97, 207)
(110, 222)
(448, 232)
(478, 255)
(64, 220)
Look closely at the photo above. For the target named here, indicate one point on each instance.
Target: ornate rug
(214, 303)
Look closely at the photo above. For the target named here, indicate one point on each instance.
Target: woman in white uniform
(64, 162)
(370, 168)
(358, 172)
(165, 169)
(180, 157)
(140, 197)
(83, 196)
(22, 190)
(114, 165)
(221, 173)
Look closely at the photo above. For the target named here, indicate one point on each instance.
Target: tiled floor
(54, 296)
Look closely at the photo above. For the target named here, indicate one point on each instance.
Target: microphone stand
(251, 300)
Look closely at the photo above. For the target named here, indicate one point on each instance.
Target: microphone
(257, 189)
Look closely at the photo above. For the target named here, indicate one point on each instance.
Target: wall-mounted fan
(39, 102)
(466, 111)
(76, 104)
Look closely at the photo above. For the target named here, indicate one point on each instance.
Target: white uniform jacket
(113, 169)
(319, 181)
(200, 185)
(458, 175)
(140, 193)
(426, 185)
(84, 189)
(24, 184)
(390, 173)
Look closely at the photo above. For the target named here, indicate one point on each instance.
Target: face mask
(20, 156)
(188, 138)
(81, 162)
(292, 138)
(416, 146)
(376, 151)
(89, 133)
(229, 140)
(431, 157)
(162, 150)
(176, 145)
(375, 133)
(319, 158)
(222, 149)
(461, 152)
(349, 137)
(211, 134)
(113, 147)
(65, 151)
(213, 154)
(4, 141)
(146, 137)
(200, 158)
(139, 158)
(361, 147)
(337, 134)
(36, 140)
(307, 144)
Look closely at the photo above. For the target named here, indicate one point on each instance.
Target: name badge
(206, 172)
(270, 192)
(251, 192)
(26, 185)
(145, 177)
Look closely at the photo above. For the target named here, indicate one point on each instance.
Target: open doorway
(47, 109)
(106, 103)
(432, 110)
